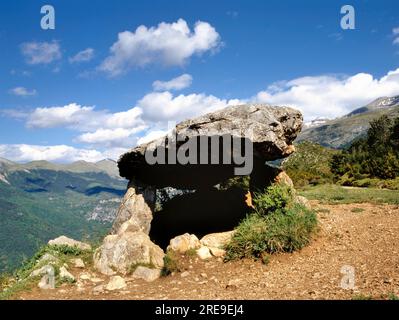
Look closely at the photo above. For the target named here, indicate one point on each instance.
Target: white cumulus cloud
(22, 92)
(178, 83)
(330, 96)
(82, 118)
(82, 56)
(119, 137)
(57, 153)
(41, 52)
(168, 44)
(163, 106)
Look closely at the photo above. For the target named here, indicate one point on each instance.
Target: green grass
(333, 194)
(21, 279)
(171, 264)
(362, 297)
(393, 297)
(278, 224)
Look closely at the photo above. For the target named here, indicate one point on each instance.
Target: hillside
(309, 164)
(41, 200)
(340, 132)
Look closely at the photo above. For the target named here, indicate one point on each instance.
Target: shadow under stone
(199, 213)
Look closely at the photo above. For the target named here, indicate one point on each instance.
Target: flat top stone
(270, 130)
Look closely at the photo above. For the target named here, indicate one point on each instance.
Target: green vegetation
(309, 165)
(393, 297)
(171, 263)
(362, 297)
(42, 204)
(340, 133)
(133, 267)
(277, 224)
(371, 158)
(357, 210)
(22, 280)
(333, 194)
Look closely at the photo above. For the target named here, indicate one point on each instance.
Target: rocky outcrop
(65, 241)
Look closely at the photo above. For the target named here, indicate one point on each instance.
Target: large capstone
(265, 132)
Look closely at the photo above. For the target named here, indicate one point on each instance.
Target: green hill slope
(40, 201)
(339, 133)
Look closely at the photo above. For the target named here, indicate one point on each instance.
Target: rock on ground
(119, 252)
(184, 243)
(204, 253)
(65, 274)
(65, 241)
(146, 274)
(217, 240)
(116, 283)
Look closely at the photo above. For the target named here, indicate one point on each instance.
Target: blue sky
(80, 92)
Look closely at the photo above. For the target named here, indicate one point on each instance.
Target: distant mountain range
(340, 132)
(42, 200)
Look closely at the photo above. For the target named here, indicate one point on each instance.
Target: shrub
(274, 233)
(170, 264)
(277, 225)
(276, 198)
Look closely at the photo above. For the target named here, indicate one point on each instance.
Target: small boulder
(303, 201)
(66, 275)
(119, 252)
(78, 263)
(216, 252)
(284, 178)
(217, 240)
(146, 274)
(184, 242)
(116, 283)
(47, 269)
(98, 289)
(48, 258)
(48, 280)
(204, 253)
(65, 241)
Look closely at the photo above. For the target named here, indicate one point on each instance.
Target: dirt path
(366, 239)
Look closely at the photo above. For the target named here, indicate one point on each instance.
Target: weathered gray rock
(42, 271)
(48, 279)
(66, 275)
(271, 131)
(184, 243)
(119, 253)
(135, 211)
(146, 274)
(48, 258)
(116, 283)
(63, 240)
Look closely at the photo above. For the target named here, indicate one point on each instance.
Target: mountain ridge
(340, 132)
